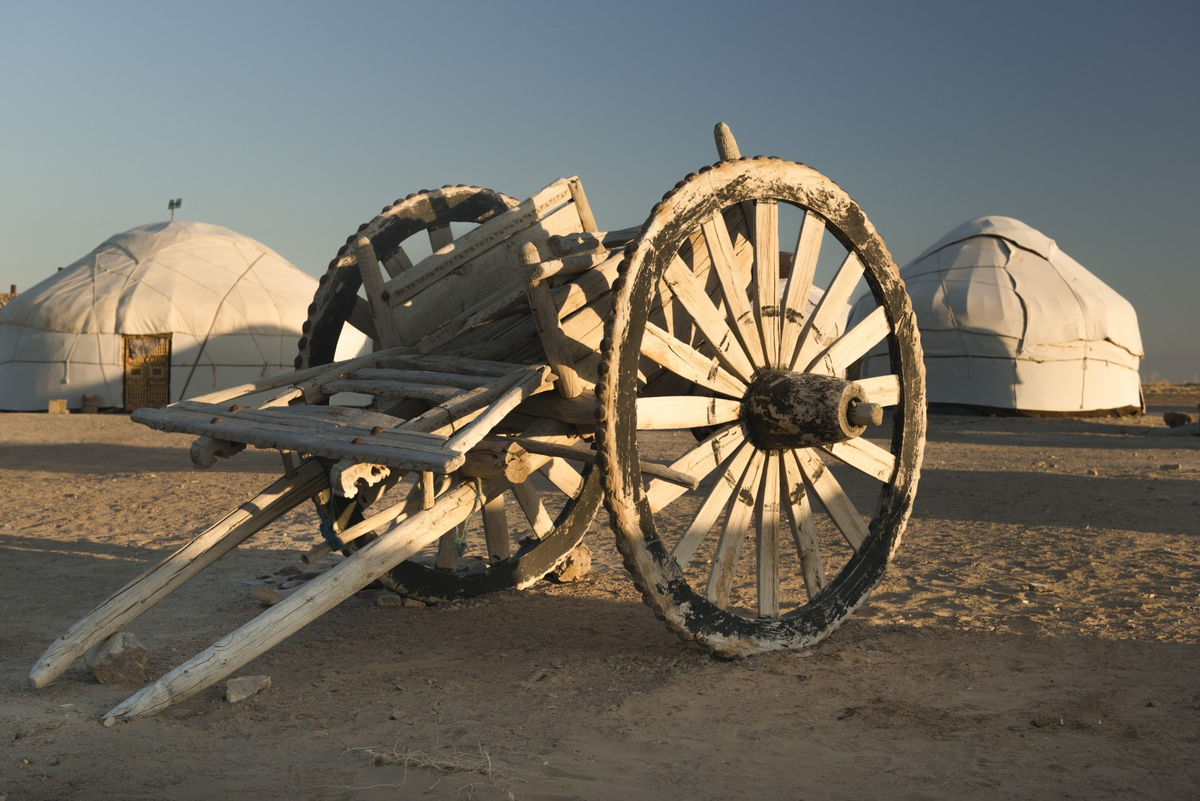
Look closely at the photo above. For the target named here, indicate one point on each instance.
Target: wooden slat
(147, 590)
(818, 330)
(708, 319)
(713, 506)
(435, 377)
(800, 279)
(531, 505)
(766, 276)
(545, 317)
(560, 473)
(767, 539)
(698, 462)
(521, 385)
(721, 254)
(495, 529)
(737, 524)
(685, 411)
(458, 365)
(372, 280)
(294, 612)
(831, 495)
(852, 345)
(883, 389)
(866, 456)
(804, 528)
(681, 359)
(395, 389)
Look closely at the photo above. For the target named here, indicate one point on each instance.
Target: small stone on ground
(121, 659)
(243, 687)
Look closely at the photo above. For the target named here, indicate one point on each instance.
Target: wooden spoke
(711, 322)
(818, 330)
(714, 504)
(800, 279)
(532, 506)
(681, 359)
(440, 237)
(766, 277)
(883, 389)
(686, 411)
(737, 523)
(851, 346)
(767, 540)
(397, 263)
(560, 473)
(720, 251)
(866, 456)
(804, 528)
(831, 495)
(699, 462)
(495, 529)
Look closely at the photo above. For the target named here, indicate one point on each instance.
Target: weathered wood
(521, 385)
(372, 281)
(793, 410)
(766, 277)
(495, 529)
(698, 462)
(582, 207)
(582, 453)
(883, 390)
(831, 495)
(852, 345)
(709, 319)
(560, 473)
(205, 451)
(686, 411)
(727, 147)
(767, 540)
(397, 262)
(804, 528)
(535, 511)
(866, 456)
(508, 226)
(499, 458)
(800, 279)
(865, 414)
(394, 389)
(737, 524)
(681, 359)
(819, 329)
(545, 316)
(307, 603)
(145, 591)
(721, 253)
(714, 505)
(345, 475)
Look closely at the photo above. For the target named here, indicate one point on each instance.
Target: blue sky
(294, 122)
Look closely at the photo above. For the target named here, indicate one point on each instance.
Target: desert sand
(1037, 636)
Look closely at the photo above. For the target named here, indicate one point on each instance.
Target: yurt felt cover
(232, 306)
(1009, 322)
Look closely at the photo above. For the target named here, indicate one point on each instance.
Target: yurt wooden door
(147, 370)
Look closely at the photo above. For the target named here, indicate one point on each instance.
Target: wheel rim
(520, 532)
(703, 311)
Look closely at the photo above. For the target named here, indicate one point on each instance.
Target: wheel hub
(784, 410)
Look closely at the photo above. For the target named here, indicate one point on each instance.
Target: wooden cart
(687, 373)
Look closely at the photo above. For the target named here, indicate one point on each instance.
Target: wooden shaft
(865, 414)
(368, 268)
(545, 316)
(727, 147)
(300, 608)
(141, 594)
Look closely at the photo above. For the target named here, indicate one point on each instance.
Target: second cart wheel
(521, 531)
(803, 495)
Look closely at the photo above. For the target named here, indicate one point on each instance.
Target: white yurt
(1011, 324)
(159, 313)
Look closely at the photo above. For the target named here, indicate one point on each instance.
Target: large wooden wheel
(798, 513)
(520, 530)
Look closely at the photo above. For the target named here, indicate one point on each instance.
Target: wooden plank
(865, 456)
(721, 254)
(307, 603)
(394, 389)
(144, 592)
(767, 539)
(560, 473)
(766, 276)
(372, 281)
(800, 279)
(495, 529)
(436, 377)
(804, 528)
(818, 330)
(442, 363)
(535, 511)
(478, 241)
(698, 463)
(829, 492)
(681, 359)
(883, 389)
(545, 317)
(737, 523)
(685, 411)
(521, 385)
(708, 319)
(852, 345)
(716, 502)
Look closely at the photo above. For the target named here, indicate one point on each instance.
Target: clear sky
(293, 122)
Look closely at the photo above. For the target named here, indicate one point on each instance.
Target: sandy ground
(1036, 637)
